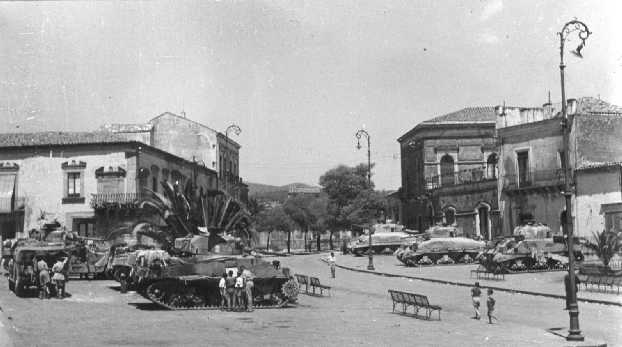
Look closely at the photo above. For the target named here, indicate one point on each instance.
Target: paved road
(358, 314)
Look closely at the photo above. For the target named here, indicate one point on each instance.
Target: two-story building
(91, 182)
(449, 172)
(192, 141)
(531, 160)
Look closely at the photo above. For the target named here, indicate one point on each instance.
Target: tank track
(148, 294)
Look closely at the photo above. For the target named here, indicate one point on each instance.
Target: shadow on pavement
(147, 306)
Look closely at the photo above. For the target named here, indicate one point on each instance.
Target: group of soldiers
(236, 290)
(47, 283)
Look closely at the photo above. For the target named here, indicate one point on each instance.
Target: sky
(298, 77)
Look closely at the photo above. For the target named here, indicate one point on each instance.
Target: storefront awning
(7, 189)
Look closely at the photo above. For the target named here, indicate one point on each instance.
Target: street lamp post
(574, 333)
(236, 130)
(359, 134)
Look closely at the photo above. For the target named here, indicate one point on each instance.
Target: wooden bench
(417, 301)
(315, 283)
(302, 279)
(485, 274)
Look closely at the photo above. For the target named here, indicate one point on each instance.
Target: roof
(126, 128)
(592, 105)
(467, 115)
(58, 138)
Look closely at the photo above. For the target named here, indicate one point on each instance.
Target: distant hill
(264, 192)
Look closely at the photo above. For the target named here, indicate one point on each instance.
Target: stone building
(449, 173)
(530, 166)
(91, 182)
(192, 141)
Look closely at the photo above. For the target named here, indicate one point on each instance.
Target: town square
(312, 173)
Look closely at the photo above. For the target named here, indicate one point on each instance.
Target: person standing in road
(331, 263)
(248, 287)
(222, 287)
(59, 278)
(476, 293)
(230, 282)
(44, 279)
(239, 288)
(490, 303)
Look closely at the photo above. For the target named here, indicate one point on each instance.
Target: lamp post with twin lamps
(570, 108)
(360, 134)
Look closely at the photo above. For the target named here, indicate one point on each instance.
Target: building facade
(449, 173)
(90, 182)
(192, 141)
(531, 161)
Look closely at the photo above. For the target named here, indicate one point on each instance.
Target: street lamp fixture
(570, 108)
(358, 135)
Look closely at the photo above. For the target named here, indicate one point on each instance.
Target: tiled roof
(126, 128)
(58, 138)
(595, 106)
(466, 115)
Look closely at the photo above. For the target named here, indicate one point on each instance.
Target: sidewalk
(550, 284)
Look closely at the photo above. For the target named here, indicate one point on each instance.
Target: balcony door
(447, 170)
(522, 159)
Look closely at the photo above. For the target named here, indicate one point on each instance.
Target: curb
(462, 284)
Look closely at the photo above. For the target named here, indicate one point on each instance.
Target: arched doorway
(491, 166)
(482, 221)
(447, 170)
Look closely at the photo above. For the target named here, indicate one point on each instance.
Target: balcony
(460, 178)
(534, 179)
(117, 200)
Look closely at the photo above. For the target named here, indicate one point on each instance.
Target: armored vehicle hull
(442, 250)
(386, 241)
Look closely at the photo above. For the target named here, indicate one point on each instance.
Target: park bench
(417, 301)
(482, 273)
(315, 283)
(302, 279)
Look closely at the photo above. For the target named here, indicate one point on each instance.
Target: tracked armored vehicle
(440, 245)
(532, 248)
(385, 238)
(206, 235)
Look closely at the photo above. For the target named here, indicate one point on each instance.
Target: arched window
(447, 170)
(491, 166)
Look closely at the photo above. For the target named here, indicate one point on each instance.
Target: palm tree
(606, 245)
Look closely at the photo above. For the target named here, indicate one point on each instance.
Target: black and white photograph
(311, 173)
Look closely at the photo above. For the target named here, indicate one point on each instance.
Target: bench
(485, 274)
(417, 301)
(315, 283)
(302, 279)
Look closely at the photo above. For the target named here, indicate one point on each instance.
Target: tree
(367, 207)
(275, 219)
(318, 208)
(297, 208)
(606, 244)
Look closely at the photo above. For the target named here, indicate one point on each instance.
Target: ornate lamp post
(359, 134)
(236, 130)
(574, 333)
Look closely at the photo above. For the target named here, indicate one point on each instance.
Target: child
(331, 262)
(475, 297)
(222, 286)
(490, 302)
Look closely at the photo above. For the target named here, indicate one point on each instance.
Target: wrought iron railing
(534, 178)
(461, 177)
(117, 200)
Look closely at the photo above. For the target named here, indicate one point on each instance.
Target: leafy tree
(367, 207)
(275, 219)
(606, 244)
(343, 183)
(318, 208)
(298, 209)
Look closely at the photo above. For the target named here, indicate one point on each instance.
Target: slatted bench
(315, 283)
(302, 279)
(417, 301)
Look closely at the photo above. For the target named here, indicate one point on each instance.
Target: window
(84, 226)
(491, 166)
(522, 159)
(447, 170)
(73, 185)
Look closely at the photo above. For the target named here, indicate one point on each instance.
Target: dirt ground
(357, 314)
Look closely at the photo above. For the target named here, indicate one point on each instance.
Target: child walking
(476, 292)
(490, 303)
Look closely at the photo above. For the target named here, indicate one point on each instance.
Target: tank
(440, 245)
(386, 238)
(22, 276)
(205, 235)
(533, 247)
